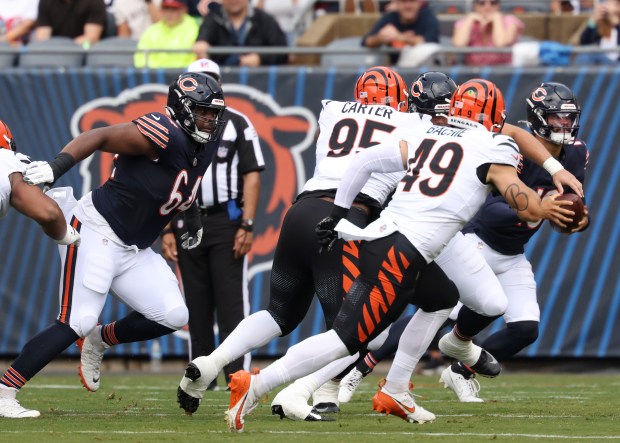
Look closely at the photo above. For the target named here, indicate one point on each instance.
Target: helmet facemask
(560, 133)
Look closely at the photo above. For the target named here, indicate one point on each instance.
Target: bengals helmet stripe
(476, 103)
(6, 138)
(381, 85)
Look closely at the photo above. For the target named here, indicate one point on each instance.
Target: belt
(215, 209)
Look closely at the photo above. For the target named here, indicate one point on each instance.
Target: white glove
(72, 237)
(38, 172)
(190, 242)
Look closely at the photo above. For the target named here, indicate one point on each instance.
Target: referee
(214, 274)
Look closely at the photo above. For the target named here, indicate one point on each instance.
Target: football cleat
(325, 399)
(242, 400)
(402, 405)
(349, 384)
(198, 376)
(291, 404)
(186, 402)
(10, 407)
(487, 365)
(91, 347)
(465, 389)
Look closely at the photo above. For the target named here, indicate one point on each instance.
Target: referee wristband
(552, 166)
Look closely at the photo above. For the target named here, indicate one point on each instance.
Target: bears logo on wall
(284, 132)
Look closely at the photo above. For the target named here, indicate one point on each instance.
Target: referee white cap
(207, 66)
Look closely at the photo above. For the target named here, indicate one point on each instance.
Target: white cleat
(291, 403)
(242, 400)
(349, 384)
(10, 408)
(402, 405)
(466, 390)
(92, 348)
(325, 398)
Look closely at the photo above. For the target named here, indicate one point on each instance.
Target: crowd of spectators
(191, 28)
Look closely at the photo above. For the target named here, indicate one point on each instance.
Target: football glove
(48, 172)
(72, 237)
(38, 172)
(326, 229)
(193, 224)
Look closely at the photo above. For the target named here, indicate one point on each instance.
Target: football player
(553, 114)
(449, 173)
(160, 160)
(430, 94)
(345, 129)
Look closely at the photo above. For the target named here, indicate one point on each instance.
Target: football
(578, 207)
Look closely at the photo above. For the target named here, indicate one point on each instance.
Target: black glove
(325, 229)
(193, 226)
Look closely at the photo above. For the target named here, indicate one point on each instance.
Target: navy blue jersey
(498, 225)
(142, 195)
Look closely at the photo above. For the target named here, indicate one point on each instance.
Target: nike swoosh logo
(96, 380)
(156, 117)
(238, 424)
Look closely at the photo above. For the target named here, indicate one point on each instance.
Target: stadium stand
(7, 57)
(112, 51)
(57, 51)
(350, 59)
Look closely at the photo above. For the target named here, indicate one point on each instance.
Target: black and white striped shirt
(238, 153)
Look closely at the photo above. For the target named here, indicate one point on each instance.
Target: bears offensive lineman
(553, 116)
(346, 128)
(450, 171)
(159, 164)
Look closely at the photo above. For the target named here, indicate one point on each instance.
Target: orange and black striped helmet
(6, 138)
(478, 102)
(380, 85)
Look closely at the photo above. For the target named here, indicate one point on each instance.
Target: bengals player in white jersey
(449, 173)
(33, 203)
(346, 129)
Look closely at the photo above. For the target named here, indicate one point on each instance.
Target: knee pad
(84, 326)
(176, 318)
(523, 332)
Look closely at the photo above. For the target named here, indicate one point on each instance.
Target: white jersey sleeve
(441, 190)
(9, 163)
(347, 128)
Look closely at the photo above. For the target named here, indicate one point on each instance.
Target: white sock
(412, 345)
(302, 359)
(7, 391)
(251, 333)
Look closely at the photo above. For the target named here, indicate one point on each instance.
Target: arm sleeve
(248, 146)
(385, 157)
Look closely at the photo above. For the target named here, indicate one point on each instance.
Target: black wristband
(246, 227)
(61, 164)
(165, 231)
(338, 212)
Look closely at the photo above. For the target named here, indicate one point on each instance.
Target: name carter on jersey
(380, 111)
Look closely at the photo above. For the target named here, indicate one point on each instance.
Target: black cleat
(326, 408)
(192, 372)
(487, 365)
(186, 402)
(314, 415)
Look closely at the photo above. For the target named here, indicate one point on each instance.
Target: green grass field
(520, 407)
